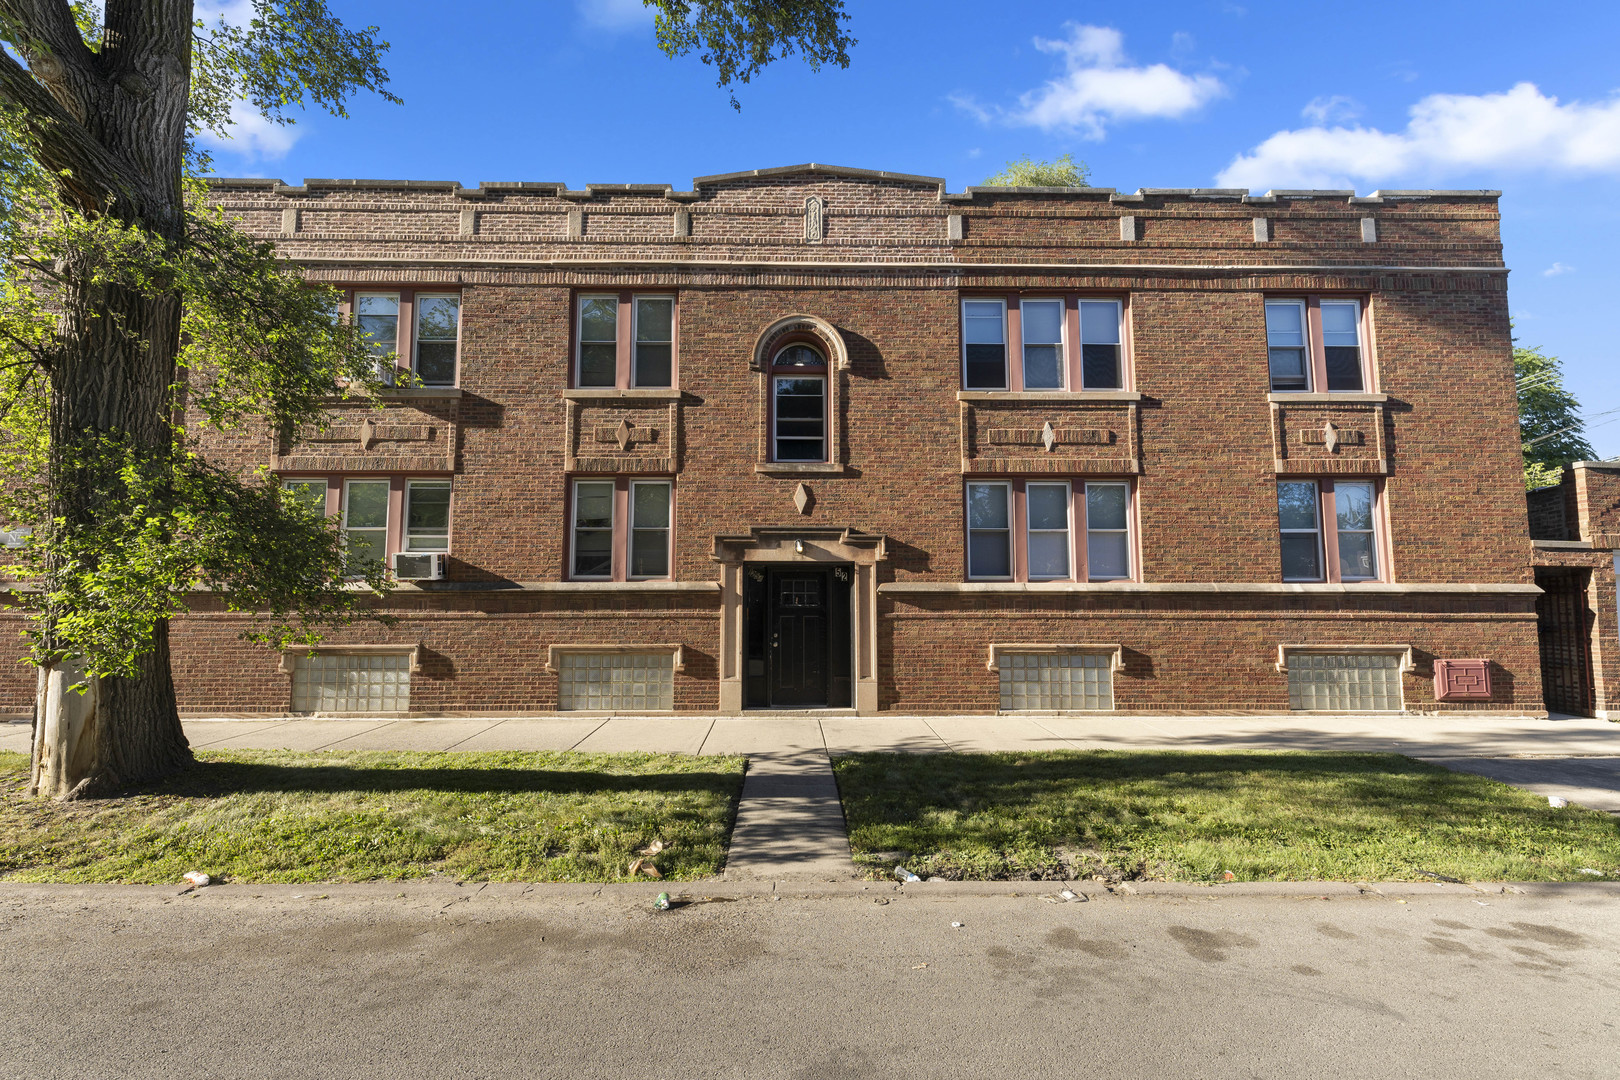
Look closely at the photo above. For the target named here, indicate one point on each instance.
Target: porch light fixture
(798, 546)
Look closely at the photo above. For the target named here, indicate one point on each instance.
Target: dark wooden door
(796, 654)
(1564, 624)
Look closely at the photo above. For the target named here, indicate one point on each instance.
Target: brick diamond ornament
(801, 497)
(1048, 437)
(1330, 437)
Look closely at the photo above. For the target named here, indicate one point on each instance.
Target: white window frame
(406, 536)
(1068, 530)
(416, 334)
(1321, 547)
(580, 342)
(1361, 343)
(1307, 358)
(1011, 531)
(388, 513)
(1130, 546)
(821, 375)
(1006, 348)
(1024, 343)
(635, 336)
(573, 526)
(668, 530)
(1118, 343)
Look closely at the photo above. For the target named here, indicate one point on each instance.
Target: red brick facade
(878, 266)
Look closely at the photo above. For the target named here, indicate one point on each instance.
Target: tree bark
(112, 374)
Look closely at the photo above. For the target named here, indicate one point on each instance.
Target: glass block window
(1057, 680)
(609, 680)
(333, 682)
(1344, 682)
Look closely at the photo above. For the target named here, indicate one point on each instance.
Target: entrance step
(790, 824)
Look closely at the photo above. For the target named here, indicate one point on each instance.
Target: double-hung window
(625, 341)
(1347, 548)
(1044, 530)
(365, 524)
(400, 323)
(378, 516)
(427, 515)
(1315, 343)
(621, 529)
(798, 405)
(1061, 343)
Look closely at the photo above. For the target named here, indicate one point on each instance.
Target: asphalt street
(427, 980)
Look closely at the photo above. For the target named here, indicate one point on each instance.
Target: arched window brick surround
(822, 335)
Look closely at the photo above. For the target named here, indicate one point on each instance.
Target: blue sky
(1196, 94)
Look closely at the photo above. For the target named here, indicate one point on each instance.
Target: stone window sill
(1337, 398)
(990, 397)
(800, 468)
(610, 393)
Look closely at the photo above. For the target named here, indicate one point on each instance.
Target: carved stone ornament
(368, 434)
(801, 497)
(1330, 437)
(1048, 436)
(626, 435)
(815, 219)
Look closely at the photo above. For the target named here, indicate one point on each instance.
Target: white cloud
(1521, 128)
(1557, 268)
(613, 14)
(253, 137)
(1327, 110)
(1100, 86)
(968, 104)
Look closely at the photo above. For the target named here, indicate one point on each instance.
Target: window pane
(1354, 505)
(598, 364)
(598, 318)
(1299, 558)
(649, 553)
(1285, 325)
(987, 506)
(982, 323)
(1048, 506)
(1043, 349)
(798, 356)
(593, 552)
(1105, 506)
(437, 317)
(436, 362)
(1343, 368)
(651, 506)
(1099, 322)
(1356, 555)
(1042, 322)
(984, 335)
(593, 504)
(309, 494)
(1296, 505)
(655, 318)
(1339, 320)
(1043, 367)
(654, 364)
(986, 367)
(366, 548)
(1049, 555)
(377, 315)
(989, 555)
(367, 505)
(1107, 555)
(1100, 367)
(427, 516)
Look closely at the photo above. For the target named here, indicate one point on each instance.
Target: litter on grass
(956, 925)
(662, 903)
(651, 849)
(906, 875)
(197, 878)
(1589, 870)
(1557, 802)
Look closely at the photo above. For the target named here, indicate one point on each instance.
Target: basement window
(1345, 679)
(330, 682)
(615, 680)
(1055, 677)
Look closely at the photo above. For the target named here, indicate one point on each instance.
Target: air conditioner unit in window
(419, 565)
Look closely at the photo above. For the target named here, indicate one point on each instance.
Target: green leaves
(740, 37)
(1065, 172)
(1550, 424)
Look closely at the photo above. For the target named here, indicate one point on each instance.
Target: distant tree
(1550, 425)
(1065, 172)
(739, 37)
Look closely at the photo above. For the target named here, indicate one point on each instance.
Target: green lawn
(268, 816)
(1195, 816)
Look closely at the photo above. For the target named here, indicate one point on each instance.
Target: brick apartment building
(823, 437)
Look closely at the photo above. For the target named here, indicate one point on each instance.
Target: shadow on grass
(209, 779)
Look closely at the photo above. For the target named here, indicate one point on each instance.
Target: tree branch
(88, 173)
(48, 38)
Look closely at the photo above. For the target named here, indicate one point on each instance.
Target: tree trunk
(110, 384)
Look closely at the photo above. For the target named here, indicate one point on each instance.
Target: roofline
(488, 188)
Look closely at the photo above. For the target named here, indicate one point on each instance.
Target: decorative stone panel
(1328, 438)
(1462, 680)
(402, 436)
(1067, 434)
(608, 431)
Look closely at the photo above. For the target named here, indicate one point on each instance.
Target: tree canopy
(1550, 423)
(1065, 172)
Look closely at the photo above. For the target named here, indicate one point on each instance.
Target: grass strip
(1197, 816)
(281, 816)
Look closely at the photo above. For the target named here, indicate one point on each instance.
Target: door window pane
(984, 337)
(989, 532)
(1042, 323)
(365, 524)
(598, 340)
(593, 528)
(801, 410)
(1341, 341)
(1099, 344)
(1301, 535)
(655, 337)
(427, 515)
(1285, 343)
(1108, 555)
(649, 530)
(1048, 513)
(438, 319)
(1353, 506)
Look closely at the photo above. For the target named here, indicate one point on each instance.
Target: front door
(797, 651)
(799, 634)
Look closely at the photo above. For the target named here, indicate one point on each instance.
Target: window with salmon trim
(1316, 344)
(1043, 343)
(624, 341)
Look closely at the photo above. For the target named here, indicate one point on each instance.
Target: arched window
(798, 404)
